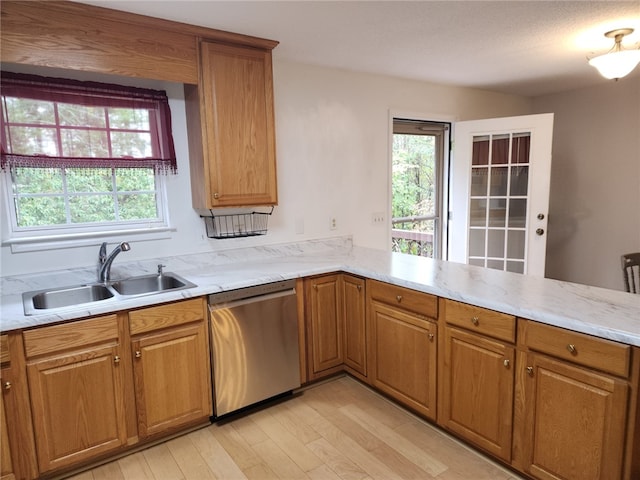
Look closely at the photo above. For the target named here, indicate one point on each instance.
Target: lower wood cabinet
(575, 420)
(403, 346)
(477, 376)
(355, 328)
(17, 450)
(172, 377)
(325, 325)
(75, 374)
(336, 325)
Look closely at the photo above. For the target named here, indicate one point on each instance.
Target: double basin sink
(41, 301)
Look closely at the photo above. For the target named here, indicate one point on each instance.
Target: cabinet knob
(7, 385)
(431, 337)
(539, 231)
(399, 298)
(216, 195)
(475, 321)
(315, 287)
(359, 287)
(138, 354)
(530, 371)
(116, 359)
(572, 349)
(506, 363)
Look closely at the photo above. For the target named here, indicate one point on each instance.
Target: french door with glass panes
(500, 193)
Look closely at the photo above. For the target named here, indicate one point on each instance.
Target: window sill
(70, 240)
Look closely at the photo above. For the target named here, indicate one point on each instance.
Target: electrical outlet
(332, 223)
(377, 218)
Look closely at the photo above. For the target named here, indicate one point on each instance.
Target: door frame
(444, 180)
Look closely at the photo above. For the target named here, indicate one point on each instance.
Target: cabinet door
(237, 91)
(6, 465)
(574, 421)
(353, 313)
(325, 325)
(403, 357)
(77, 405)
(477, 390)
(172, 378)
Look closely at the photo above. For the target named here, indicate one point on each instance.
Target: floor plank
(334, 430)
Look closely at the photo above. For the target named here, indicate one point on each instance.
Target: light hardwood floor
(337, 430)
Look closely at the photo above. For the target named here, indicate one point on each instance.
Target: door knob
(539, 231)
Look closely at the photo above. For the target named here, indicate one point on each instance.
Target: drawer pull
(138, 354)
(7, 385)
(475, 321)
(506, 363)
(572, 349)
(116, 359)
(530, 371)
(399, 298)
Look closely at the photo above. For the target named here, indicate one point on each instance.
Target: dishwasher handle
(213, 305)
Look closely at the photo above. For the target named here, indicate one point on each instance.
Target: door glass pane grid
(498, 203)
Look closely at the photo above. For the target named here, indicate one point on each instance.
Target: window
(418, 152)
(82, 157)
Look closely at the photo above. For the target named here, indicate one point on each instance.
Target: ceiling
(521, 47)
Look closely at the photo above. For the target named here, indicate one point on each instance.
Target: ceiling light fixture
(616, 63)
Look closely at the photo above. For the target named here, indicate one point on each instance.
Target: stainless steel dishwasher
(254, 348)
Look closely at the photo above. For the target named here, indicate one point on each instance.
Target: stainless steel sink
(67, 296)
(76, 295)
(150, 284)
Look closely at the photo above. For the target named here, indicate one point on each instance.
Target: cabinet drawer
(162, 316)
(481, 320)
(579, 348)
(418, 302)
(58, 338)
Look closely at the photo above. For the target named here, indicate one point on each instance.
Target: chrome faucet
(104, 262)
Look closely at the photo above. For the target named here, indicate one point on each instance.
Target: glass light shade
(616, 64)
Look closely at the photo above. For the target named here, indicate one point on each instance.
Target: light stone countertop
(604, 313)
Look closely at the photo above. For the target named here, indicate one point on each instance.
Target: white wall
(594, 212)
(332, 147)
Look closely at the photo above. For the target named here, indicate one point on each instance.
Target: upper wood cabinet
(230, 121)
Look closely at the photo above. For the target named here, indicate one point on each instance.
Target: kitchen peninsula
(524, 336)
(608, 314)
